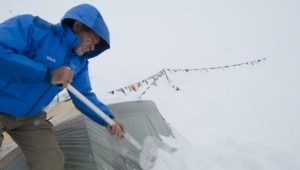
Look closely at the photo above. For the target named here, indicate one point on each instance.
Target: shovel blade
(148, 155)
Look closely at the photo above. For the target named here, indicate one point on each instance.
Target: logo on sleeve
(52, 59)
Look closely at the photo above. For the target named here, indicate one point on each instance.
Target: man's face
(88, 39)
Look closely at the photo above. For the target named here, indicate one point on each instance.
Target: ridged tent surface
(87, 145)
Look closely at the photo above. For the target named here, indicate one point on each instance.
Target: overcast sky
(186, 34)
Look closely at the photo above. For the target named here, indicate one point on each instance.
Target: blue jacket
(30, 48)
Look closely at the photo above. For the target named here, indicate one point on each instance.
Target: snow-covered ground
(244, 117)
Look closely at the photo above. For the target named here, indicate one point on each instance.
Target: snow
(225, 155)
(236, 118)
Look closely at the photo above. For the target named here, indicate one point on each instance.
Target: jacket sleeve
(82, 83)
(14, 44)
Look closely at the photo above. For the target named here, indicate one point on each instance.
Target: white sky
(253, 104)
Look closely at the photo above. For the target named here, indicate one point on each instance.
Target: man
(38, 60)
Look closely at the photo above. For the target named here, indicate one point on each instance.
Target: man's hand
(62, 76)
(117, 129)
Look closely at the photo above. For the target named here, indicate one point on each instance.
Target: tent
(87, 145)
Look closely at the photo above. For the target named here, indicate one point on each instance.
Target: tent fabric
(87, 145)
(12, 158)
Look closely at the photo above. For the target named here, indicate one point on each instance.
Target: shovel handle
(106, 118)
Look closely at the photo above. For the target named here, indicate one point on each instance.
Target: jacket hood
(91, 17)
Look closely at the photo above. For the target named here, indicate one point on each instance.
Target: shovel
(148, 151)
